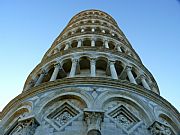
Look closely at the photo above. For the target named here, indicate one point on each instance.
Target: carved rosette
(158, 128)
(24, 127)
(63, 118)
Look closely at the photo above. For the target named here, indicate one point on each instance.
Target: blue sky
(28, 28)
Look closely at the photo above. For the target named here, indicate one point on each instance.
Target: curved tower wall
(90, 81)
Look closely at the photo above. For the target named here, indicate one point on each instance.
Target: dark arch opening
(94, 132)
(67, 67)
(101, 67)
(123, 49)
(62, 47)
(74, 44)
(119, 68)
(87, 42)
(99, 43)
(111, 45)
(78, 30)
(88, 29)
(84, 64)
(98, 30)
(134, 72)
(47, 77)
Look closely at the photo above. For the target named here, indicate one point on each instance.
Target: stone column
(58, 47)
(106, 44)
(40, 78)
(82, 30)
(128, 52)
(103, 31)
(93, 120)
(55, 72)
(113, 70)
(118, 48)
(67, 46)
(93, 67)
(92, 29)
(55, 51)
(73, 68)
(79, 43)
(92, 42)
(144, 82)
(130, 75)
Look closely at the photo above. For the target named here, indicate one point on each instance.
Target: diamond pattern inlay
(123, 120)
(123, 117)
(63, 118)
(63, 115)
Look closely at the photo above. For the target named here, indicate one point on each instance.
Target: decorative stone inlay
(123, 117)
(24, 127)
(62, 115)
(93, 119)
(63, 118)
(158, 128)
(123, 120)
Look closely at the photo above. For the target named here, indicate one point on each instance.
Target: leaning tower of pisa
(90, 82)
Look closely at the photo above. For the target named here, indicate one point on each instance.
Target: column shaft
(55, 72)
(92, 42)
(106, 44)
(40, 79)
(67, 46)
(79, 43)
(119, 48)
(113, 70)
(130, 75)
(144, 83)
(55, 51)
(93, 68)
(73, 68)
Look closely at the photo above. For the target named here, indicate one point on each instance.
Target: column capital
(82, 29)
(103, 31)
(142, 76)
(31, 82)
(72, 32)
(117, 45)
(43, 71)
(79, 40)
(93, 29)
(128, 68)
(93, 119)
(68, 43)
(93, 39)
(106, 40)
(112, 62)
(57, 64)
(93, 60)
(75, 60)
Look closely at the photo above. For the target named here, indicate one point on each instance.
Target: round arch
(133, 100)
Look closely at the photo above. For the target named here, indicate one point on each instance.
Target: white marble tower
(90, 82)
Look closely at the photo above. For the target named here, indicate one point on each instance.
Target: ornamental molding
(105, 51)
(93, 119)
(158, 128)
(24, 125)
(63, 115)
(101, 82)
(123, 118)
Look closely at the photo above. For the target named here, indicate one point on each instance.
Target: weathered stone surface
(90, 82)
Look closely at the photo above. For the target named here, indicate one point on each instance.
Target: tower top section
(92, 46)
(93, 21)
